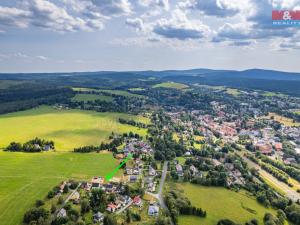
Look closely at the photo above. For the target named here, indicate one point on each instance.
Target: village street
(159, 195)
(68, 198)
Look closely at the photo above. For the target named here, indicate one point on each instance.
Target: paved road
(159, 195)
(289, 192)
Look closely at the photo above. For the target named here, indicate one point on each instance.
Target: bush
(39, 203)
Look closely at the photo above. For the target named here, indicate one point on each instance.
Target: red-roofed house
(111, 207)
(278, 146)
(137, 200)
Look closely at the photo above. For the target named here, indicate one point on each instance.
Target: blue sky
(92, 35)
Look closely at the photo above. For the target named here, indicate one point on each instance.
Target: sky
(123, 35)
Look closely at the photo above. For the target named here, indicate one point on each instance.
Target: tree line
(34, 145)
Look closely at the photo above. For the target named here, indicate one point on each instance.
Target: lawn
(181, 160)
(67, 128)
(91, 97)
(27, 177)
(172, 85)
(221, 203)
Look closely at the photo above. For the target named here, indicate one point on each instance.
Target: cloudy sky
(91, 35)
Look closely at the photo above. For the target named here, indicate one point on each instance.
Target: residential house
(137, 201)
(179, 170)
(152, 171)
(62, 213)
(153, 210)
(111, 207)
(98, 217)
(75, 197)
(97, 182)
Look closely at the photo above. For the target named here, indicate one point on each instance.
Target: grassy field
(233, 92)
(283, 120)
(27, 177)
(136, 89)
(91, 97)
(116, 92)
(123, 93)
(272, 94)
(67, 128)
(221, 203)
(171, 85)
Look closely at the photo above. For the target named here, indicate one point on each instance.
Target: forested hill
(266, 80)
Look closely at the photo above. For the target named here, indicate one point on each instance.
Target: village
(135, 189)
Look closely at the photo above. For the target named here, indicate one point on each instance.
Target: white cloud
(47, 15)
(43, 58)
(164, 4)
(180, 27)
(14, 17)
(113, 7)
(136, 23)
(285, 4)
(218, 8)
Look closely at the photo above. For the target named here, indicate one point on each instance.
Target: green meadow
(26, 177)
(67, 128)
(172, 85)
(123, 93)
(115, 92)
(91, 97)
(221, 203)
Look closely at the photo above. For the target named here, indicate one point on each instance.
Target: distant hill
(267, 80)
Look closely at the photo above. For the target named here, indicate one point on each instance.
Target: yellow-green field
(221, 203)
(233, 92)
(271, 94)
(172, 85)
(26, 177)
(91, 97)
(283, 120)
(67, 128)
(136, 89)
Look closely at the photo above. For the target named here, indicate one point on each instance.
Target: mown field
(171, 85)
(26, 177)
(221, 203)
(67, 128)
(91, 97)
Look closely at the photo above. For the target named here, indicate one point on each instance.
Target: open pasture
(221, 203)
(67, 128)
(26, 177)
